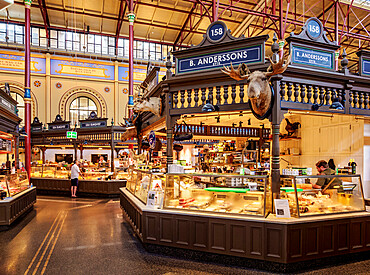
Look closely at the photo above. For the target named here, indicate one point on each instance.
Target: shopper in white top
(75, 172)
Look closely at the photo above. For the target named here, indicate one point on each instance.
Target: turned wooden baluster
(315, 94)
(361, 100)
(196, 97)
(175, 99)
(203, 96)
(210, 95)
(327, 96)
(226, 94)
(322, 95)
(218, 95)
(241, 94)
(233, 93)
(282, 90)
(340, 96)
(189, 98)
(309, 93)
(366, 102)
(289, 93)
(303, 93)
(182, 98)
(296, 92)
(350, 99)
(355, 100)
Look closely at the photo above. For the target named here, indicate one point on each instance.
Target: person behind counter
(323, 169)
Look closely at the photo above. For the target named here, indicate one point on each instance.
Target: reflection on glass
(80, 109)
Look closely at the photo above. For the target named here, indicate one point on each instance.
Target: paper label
(282, 208)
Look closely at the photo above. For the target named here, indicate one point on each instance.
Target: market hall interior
(89, 236)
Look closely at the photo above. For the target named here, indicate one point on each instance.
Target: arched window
(80, 108)
(20, 106)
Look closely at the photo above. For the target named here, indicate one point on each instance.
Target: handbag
(182, 137)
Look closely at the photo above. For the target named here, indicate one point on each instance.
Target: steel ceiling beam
(185, 23)
(45, 17)
(121, 16)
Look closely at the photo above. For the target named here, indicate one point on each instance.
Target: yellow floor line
(52, 248)
(42, 244)
(47, 246)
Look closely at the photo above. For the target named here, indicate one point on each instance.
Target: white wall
(50, 153)
(324, 137)
(366, 175)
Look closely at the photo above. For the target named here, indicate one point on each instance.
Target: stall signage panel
(5, 145)
(247, 55)
(36, 128)
(311, 57)
(366, 66)
(94, 123)
(59, 127)
(5, 103)
(71, 134)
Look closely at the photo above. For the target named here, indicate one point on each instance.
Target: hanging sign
(72, 134)
(312, 57)
(247, 55)
(152, 140)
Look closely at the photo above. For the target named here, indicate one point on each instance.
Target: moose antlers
(242, 72)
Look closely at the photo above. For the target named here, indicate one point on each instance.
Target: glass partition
(338, 194)
(221, 193)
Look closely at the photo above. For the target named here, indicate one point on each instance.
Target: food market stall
(273, 218)
(101, 179)
(17, 197)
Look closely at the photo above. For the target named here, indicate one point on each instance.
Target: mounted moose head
(153, 105)
(259, 90)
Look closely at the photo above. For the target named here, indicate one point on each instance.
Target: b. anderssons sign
(246, 55)
(313, 57)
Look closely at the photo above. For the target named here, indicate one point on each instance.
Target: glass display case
(220, 193)
(140, 182)
(339, 194)
(12, 184)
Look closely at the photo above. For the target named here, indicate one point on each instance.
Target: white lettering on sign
(217, 32)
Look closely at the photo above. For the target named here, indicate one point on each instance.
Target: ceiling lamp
(208, 107)
(336, 105)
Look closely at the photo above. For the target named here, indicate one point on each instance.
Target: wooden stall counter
(101, 188)
(14, 207)
(269, 239)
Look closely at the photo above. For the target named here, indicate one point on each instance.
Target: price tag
(282, 208)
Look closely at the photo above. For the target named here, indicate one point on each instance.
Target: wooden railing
(206, 130)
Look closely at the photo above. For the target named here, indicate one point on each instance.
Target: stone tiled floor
(89, 236)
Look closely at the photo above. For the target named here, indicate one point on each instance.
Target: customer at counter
(323, 169)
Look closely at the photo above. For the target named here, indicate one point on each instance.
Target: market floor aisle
(89, 236)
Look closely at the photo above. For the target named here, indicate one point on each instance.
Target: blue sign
(246, 55)
(314, 28)
(216, 32)
(311, 57)
(366, 66)
(152, 139)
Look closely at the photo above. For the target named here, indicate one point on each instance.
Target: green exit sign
(71, 134)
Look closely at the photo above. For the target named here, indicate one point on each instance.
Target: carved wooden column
(81, 148)
(43, 149)
(276, 118)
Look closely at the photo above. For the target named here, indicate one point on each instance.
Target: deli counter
(234, 214)
(94, 180)
(16, 197)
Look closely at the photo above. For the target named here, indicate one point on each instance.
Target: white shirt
(75, 171)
